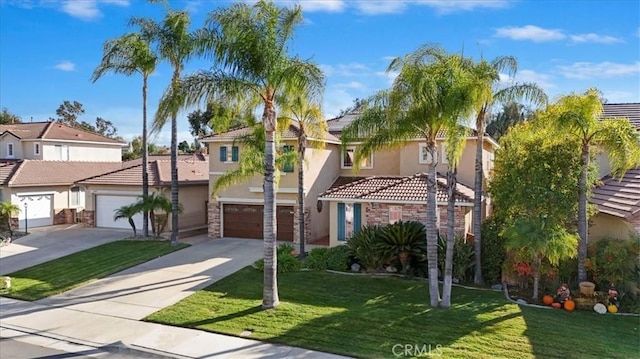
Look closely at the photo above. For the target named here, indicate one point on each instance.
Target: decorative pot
(587, 288)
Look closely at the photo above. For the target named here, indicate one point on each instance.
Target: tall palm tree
(7, 210)
(579, 116)
(418, 105)
(175, 44)
(128, 212)
(311, 124)
(249, 44)
(490, 90)
(128, 55)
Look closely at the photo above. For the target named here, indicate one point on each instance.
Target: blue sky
(49, 48)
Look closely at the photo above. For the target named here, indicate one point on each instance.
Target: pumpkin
(556, 305)
(569, 305)
(547, 300)
(612, 308)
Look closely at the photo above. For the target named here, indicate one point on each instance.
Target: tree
(127, 212)
(175, 44)
(128, 55)
(7, 210)
(7, 117)
(579, 117)
(68, 113)
(253, 66)
(217, 117)
(310, 122)
(490, 91)
(420, 103)
(105, 128)
(158, 206)
(184, 147)
(512, 114)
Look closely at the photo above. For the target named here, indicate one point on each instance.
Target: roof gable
(54, 131)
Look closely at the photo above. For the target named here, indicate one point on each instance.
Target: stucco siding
(4, 147)
(603, 225)
(81, 152)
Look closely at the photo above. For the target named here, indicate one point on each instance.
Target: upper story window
(424, 157)
(36, 148)
(10, 152)
(61, 152)
(229, 154)
(348, 157)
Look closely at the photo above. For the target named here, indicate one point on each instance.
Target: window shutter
(223, 154)
(341, 222)
(357, 217)
(234, 154)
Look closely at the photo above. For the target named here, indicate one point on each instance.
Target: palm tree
(249, 46)
(490, 91)
(310, 124)
(418, 105)
(176, 45)
(127, 212)
(535, 239)
(8, 209)
(128, 55)
(154, 203)
(579, 116)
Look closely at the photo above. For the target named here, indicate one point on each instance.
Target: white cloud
(450, 6)
(88, 9)
(589, 70)
(323, 5)
(377, 7)
(351, 69)
(354, 85)
(390, 76)
(336, 100)
(529, 32)
(543, 80)
(591, 37)
(616, 96)
(369, 7)
(65, 66)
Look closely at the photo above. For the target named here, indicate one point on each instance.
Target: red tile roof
(53, 131)
(7, 169)
(620, 198)
(627, 110)
(51, 173)
(393, 189)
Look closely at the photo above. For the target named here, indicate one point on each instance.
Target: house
(617, 200)
(390, 185)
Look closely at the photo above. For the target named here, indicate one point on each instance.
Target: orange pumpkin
(569, 305)
(556, 305)
(547, 300)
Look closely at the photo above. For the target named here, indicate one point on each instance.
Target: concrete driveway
(47, 243)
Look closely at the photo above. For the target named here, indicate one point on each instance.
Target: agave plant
(366, 246)
(404, 241)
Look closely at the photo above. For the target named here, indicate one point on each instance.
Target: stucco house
(390, 185)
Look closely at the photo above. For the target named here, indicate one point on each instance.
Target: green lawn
(366, 317)
(62, 274)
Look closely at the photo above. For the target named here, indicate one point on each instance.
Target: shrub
(613, 261)
(405, 241)
(365, 247)
(338, 258)
(286, 261)
(462, 258)
(317, 258)
(286, 248)
(492, 249)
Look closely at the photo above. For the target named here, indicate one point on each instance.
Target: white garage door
(39, 210)
(106, 205)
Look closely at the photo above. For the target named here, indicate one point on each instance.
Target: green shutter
(223, 154)
(341, 222)
(234, 154)
(357, 217)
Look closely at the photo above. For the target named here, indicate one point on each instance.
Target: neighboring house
(390, 185)
(109, 191)
(617, 201)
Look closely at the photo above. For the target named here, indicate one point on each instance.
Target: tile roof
(620, 198)
(7, 169)
(290, 133)
(189, 171)
(51, 173)
(167, 157)
(51, 130)
(393, 189)
(628, 110)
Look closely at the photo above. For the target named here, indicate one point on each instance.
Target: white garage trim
(117, 193)
(39, 212)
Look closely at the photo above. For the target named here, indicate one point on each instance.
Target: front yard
(377, 317)
(68, 272)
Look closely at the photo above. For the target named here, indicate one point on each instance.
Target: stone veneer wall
(88, 218)
(64, 216)
(213, 213)
(635, 222)
(378, 213)
(307, 224)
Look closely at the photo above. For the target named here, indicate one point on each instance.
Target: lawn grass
(365, 317)
(62, 274)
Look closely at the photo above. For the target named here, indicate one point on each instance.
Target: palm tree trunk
(583, 230)
(477, 199)
(145, 156)
(536, 277)
(133, 226)
(451, 219)
(301, 205)
(174, 167)
(270, 288)
(432, 229)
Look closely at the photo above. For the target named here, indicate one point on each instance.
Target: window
(348, 156)
(10, 153)
(349, 220)
(61, 152)
(36, 148)
(229, 154)
(288, 167)
(76, 197)
(395, 214)
(424, 157)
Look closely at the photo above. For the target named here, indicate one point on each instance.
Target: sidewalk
(108, 311)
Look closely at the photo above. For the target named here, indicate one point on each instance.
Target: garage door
(246, 221)
(106, 205)
(39, 211)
